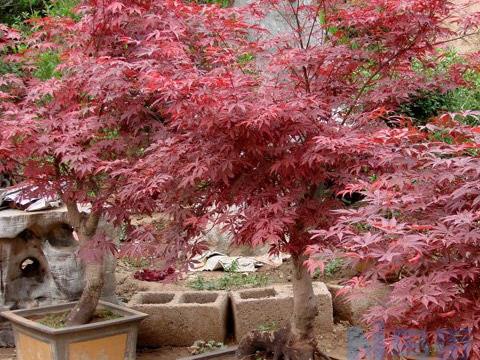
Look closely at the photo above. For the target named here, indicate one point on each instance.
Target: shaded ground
(167, 353)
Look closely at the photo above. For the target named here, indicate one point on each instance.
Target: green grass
(229, 281)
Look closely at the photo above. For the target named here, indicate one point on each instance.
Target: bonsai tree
(61, 128)
(263, 138)
(75, 115)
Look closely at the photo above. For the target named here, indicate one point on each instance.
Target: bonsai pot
(113, 339)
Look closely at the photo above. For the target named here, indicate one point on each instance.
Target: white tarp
(212, 260)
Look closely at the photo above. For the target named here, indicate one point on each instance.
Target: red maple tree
(262, 142)
(179, 108)
(418, 229)
(79, 133)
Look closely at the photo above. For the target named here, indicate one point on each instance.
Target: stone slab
(181, 318)
(13, 222)
(273, 306)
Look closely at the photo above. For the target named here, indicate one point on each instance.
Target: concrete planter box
(107, 340)
(181, 318)
(273, 305)
(353, 309)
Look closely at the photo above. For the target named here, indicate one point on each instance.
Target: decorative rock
(38, 260)
(254, 308)
(39, 263)
(181, 318)
(6, 333)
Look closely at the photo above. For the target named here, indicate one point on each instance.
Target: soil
(57, 320)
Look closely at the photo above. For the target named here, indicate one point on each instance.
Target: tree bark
(296, 341)
(86, 226)
(302, 344)
(84, 310)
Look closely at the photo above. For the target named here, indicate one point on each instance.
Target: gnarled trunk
(85, 227)
(296, 341)
(85, 308)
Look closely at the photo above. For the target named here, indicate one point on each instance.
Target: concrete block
(354, 306)
(273, 305)
(181, 318)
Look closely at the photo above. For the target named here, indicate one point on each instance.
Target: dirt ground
(332, 343)
(127, 285)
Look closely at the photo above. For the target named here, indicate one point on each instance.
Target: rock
(6, 333)
(352, 309)
(39, 264)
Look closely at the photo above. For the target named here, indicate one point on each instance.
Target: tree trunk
(84, 310)
(85, 227)
(296, 341)
(302, 344)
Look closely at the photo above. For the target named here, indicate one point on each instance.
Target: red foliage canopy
(172, 107)
(262, 146)
(418, 226)
(179, 108)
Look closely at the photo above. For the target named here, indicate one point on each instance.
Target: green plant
(58, 320)
(62, 8)
(15, 12)
(229, 281)
(426, 105)
(331, 268)
(222, 3)
(233, 267)
(136, 263)
(47, 63)
(200, 346)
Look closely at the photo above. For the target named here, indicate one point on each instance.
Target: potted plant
(62, 136)
(76, 120)
(39, 333)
